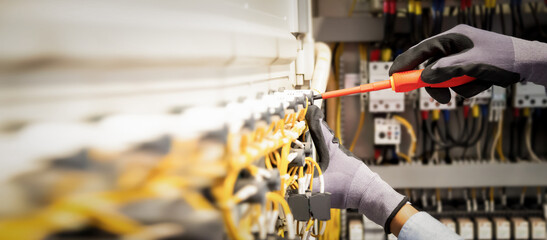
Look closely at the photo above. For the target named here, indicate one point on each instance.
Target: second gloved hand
(351, 183)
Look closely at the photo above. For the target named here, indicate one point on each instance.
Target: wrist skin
(401, 217)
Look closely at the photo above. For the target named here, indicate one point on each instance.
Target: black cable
(419, 23)
(473, 17)
(479, 134)
(521, 127)
(431, 135)
(534, 10)
(465, 134)
(426, 20)
(519, 14)
(483, 16)
(465, 146)
(447, 157)
(502, 19)
(418, 133)
(469, 16)
(489, 133)
(461, 16)
(424, 142)
(513, 18)
(411, 16)
(512, 129)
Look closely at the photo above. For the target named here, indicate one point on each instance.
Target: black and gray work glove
(493, 59)
(351, 183)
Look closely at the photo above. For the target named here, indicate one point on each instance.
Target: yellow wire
(352, 8)
(358, 132)
(337, 56)
(413, 139)
(363, 56)
(404, 156)
(268, 162)
(499, 146)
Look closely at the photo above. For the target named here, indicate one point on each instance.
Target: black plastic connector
(304, 207)
(320, 206)
(299, 205)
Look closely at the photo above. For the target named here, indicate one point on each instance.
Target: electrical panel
(528, 95)
(387, 131)
(384, 100)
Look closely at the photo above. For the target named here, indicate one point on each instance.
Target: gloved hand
(492, 58)
(351, 183)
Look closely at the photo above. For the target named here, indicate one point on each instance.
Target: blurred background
(185, 119)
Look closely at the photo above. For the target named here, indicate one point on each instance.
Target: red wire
(425, 115)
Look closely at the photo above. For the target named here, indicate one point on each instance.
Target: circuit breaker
(387, 132)
(428, 103)
(529, 95)
(481, 98)
(384, 100)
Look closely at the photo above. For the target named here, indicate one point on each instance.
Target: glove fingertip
(441, 95)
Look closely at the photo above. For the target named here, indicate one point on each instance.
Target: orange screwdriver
(398, 82)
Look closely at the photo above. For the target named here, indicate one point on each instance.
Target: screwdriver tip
(317, 97)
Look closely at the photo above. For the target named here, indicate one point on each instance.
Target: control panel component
(499, 96)
(428, 103)
(481, 98)
(387, 132)
(529, 95)
(484, 228)
(520, 228)
(372, 230)
(449, 223)
(465, 228)
(356, 229)
(384, 100)
(537, 228)
(502, 228)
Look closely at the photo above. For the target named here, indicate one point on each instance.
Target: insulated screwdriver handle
(411, 80)
(398, 82)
